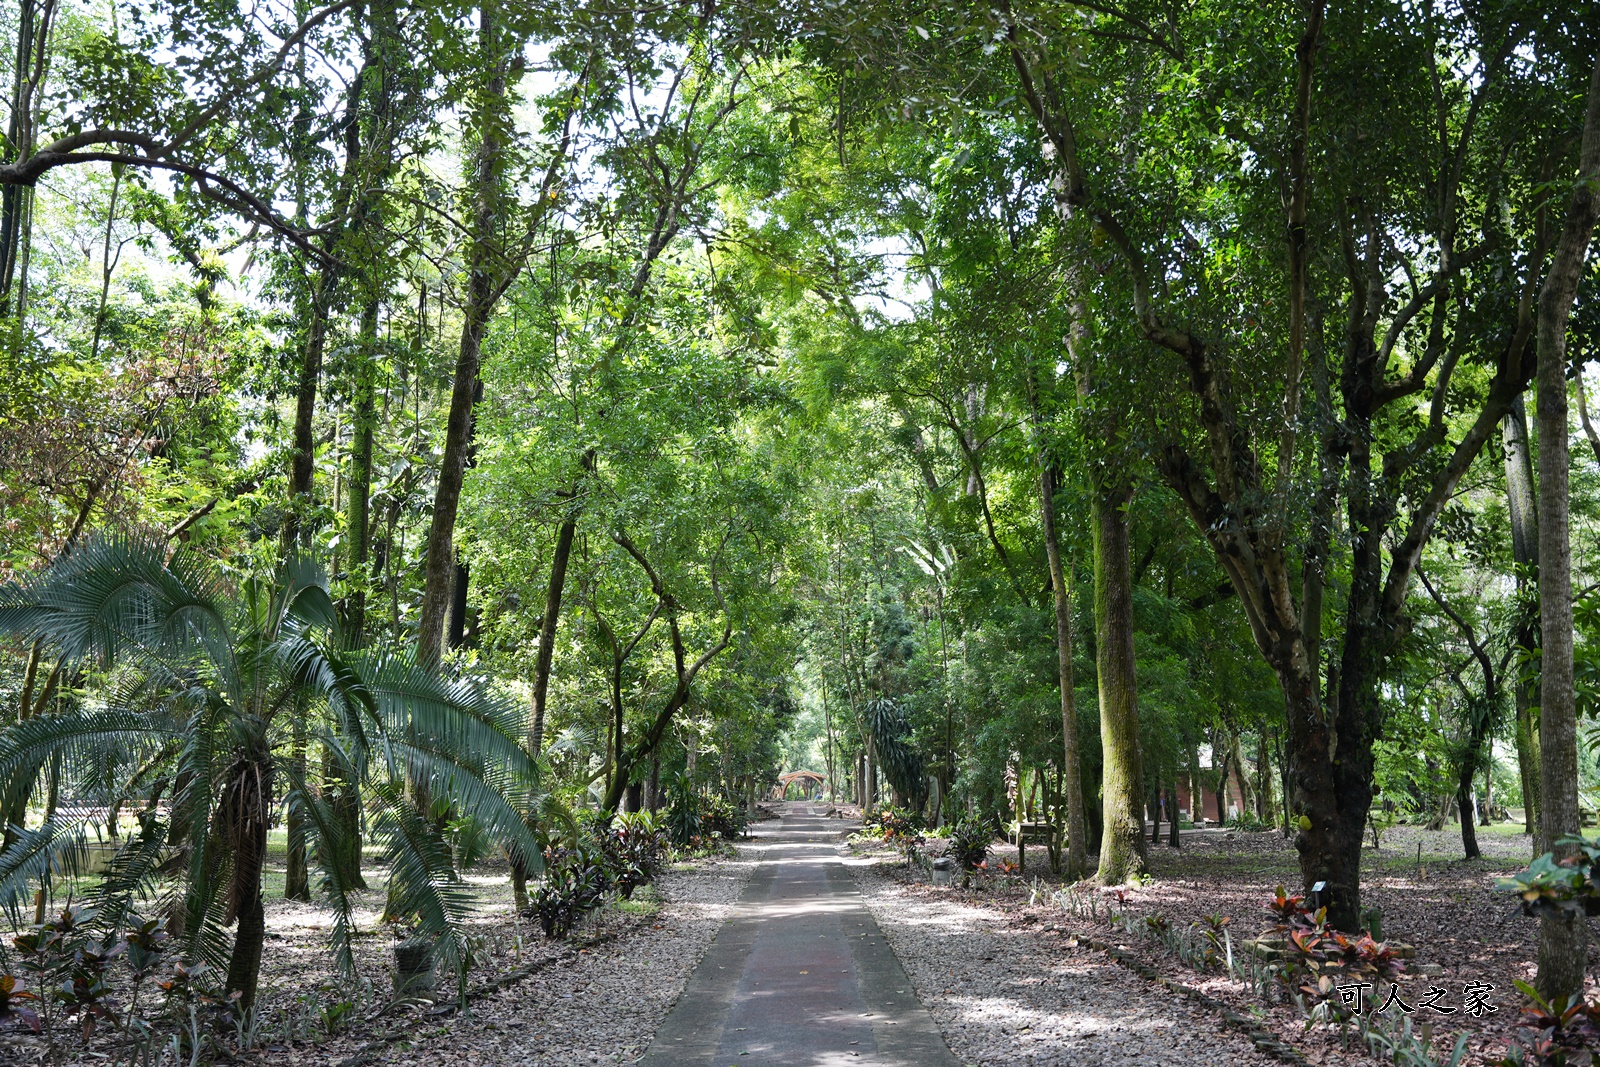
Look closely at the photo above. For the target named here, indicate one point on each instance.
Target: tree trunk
(247, 805)
(358, 518)
(1222, 784)
(1197, 796)
(1122, 851)
(1522, 505)
(547, 630)
(456, 633)
(302, 465)
(297, 878)
(1076, 859)
(1155, 807)
(28, 706)
(1563, 939)
(483, 289)
(16, 201)
(1266, 807)
(1172, 806)
(1469, 837)
(1236, 757)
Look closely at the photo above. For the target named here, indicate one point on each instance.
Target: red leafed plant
(12, 1004)
(1564, 1032)
(1287, 909)
(1317, 960)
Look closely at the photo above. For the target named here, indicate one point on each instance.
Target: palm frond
(422, 878)
(498, 802)
(58, 848)
(82, 738)
(319, 825)
(134, 872)
(118, 595)
(414, 703)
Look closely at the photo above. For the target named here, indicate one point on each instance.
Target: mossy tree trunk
(1122, 849)
(1563, 939)
(1522, 506)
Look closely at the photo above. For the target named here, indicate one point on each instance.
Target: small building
(1234, 794)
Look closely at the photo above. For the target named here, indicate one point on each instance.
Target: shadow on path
(800, 976)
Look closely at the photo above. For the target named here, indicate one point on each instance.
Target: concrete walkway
(800, 976)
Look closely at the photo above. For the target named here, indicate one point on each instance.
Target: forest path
(801, 975)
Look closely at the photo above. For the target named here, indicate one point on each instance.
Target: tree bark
(1236, 755)
(1076, 859)
(1223, 768)
(1122, 850)
(16, 202)
(1266, 807)
(1522, 504)
(297, 876)
(246, 807)
(686, 673)
(547, 626)
(1563, 939)
(358, 518)
(483, 291)
(456, 632)
(1172, 805)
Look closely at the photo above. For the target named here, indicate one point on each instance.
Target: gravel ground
(1004, 996)
(603, 1007)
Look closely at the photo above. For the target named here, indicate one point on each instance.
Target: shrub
(632, 848)
(1552, 886)
(1317, 960)
(889, 822)
(1563, 1032)
(720, 818)
(969, 842)
(683, 812)
(575, 883)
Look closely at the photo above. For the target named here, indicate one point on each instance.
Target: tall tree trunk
(1223, 768)
(1266, 807)
(302, 464)
(297, 877)
(542, 663)
(1522, 505)
(547, 629)
(1236, 754)
(1563, 939)
(1076, 860)
(1197, 795)
(1172, 805)
(1469, 833)
(456, 634)
(358, 518)
(483, 286)
(1122, 851)
(1155, 805)
(16, 201)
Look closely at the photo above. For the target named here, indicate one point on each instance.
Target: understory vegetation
(448, 442)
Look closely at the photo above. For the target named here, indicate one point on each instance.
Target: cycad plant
(196, 687)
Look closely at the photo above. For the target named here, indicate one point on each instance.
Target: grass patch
(646, 903)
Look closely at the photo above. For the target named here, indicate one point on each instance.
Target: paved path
(800, 976)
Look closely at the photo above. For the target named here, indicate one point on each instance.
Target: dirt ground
(1463, 930)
